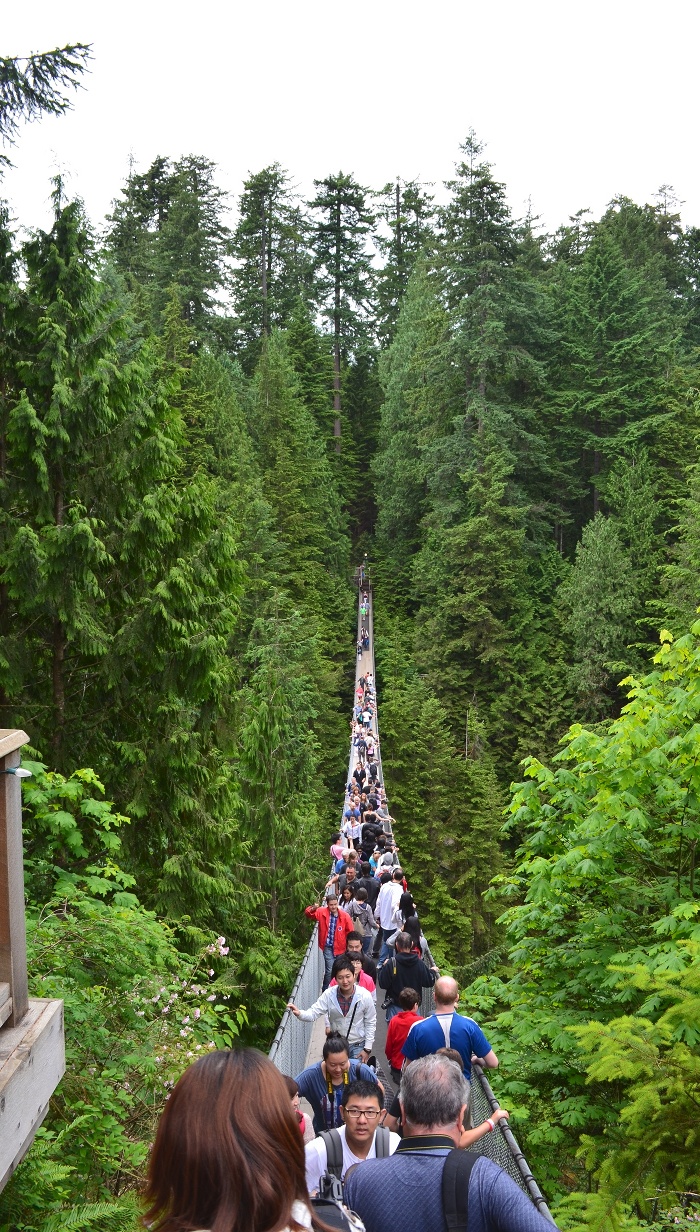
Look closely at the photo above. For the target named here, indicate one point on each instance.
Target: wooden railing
(32, 1051)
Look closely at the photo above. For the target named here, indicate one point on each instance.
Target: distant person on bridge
(333, 928)
(351, 1010)
(323, 1084)
(434, 1101)
(404, 970)
(446, 1028)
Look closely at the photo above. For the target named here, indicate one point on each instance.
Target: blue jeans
(367, 943)
(354, 1050)
(386, 950)
(328, 958)
(391, 1010)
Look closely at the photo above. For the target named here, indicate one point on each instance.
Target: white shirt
(317, 1157)
(364, 1023)
(387, 902)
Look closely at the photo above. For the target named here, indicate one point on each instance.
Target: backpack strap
(382, 1142)
(334, 1151)
(455, 1189)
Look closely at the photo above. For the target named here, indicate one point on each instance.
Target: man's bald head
(446, 991)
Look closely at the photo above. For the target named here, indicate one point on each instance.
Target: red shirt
(396, 1033)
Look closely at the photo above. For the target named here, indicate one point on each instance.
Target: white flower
(212, 997)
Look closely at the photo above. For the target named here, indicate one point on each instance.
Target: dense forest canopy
(202, 427)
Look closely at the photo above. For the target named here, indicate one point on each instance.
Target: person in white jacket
(351, 1011)
(384, 912)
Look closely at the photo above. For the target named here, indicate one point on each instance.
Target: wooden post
(13, 936)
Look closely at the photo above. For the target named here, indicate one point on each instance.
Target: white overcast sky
(576, 102)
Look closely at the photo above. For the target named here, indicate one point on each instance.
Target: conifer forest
(210, 411)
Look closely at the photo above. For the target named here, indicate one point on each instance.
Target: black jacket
(404, 971)
(372, 887)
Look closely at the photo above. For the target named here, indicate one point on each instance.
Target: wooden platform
(32, 1062)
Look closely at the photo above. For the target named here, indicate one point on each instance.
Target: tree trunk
(58, 653)
(263, 265)
(596, 471)
(274, 906)
(399, 240)
(336, 333)
(59, 697)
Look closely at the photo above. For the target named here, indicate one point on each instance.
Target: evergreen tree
(279, 767)
(408, 212)
(447, 808)
(273, 267)
(631, 491)
(601, 599)
(73, 412)
(421, 391)
(618, 345)
(343, 268)
(480, 636)
(312, 360)
(312, 548)
(167, 230)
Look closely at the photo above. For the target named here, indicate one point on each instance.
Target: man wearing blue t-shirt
(448, 1029)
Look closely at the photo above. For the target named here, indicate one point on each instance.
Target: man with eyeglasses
(356, 1140)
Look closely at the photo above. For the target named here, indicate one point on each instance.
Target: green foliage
(447, 808)
(36, 85)
(273, 265)
(71, 837)
(136, 1012)
(603, 938)
(167, 230)
(600, 596)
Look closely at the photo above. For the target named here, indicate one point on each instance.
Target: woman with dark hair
(228, 1155)
(420, 945)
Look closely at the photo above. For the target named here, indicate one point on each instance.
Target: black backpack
(455, 1188)
(328, 1205)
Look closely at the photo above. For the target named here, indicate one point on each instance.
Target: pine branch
(35, 85)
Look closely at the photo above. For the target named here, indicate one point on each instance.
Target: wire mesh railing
(291, 1043)
(501, 1146)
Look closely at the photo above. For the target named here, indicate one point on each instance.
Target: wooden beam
(13, 936)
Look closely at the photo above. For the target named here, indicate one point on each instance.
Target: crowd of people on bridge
(234, 1151)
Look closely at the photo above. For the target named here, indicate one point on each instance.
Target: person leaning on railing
(350, 1009)
(427, 1177)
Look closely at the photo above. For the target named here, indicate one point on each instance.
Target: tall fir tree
(342, 221)
(601, 601)
(273, 262)
(167, 230)
(408, 213)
